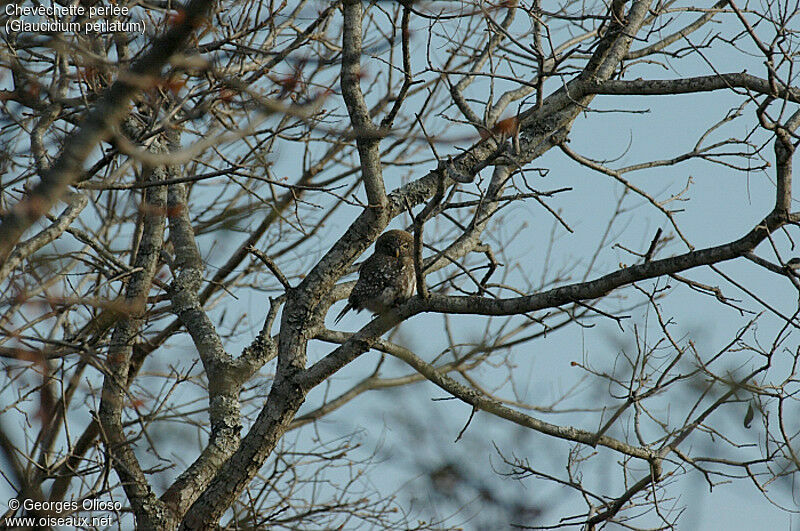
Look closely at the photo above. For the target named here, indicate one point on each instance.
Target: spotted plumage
(386, 278)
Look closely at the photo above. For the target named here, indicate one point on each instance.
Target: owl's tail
(346, 309)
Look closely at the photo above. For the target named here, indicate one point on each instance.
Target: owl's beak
(397, 253)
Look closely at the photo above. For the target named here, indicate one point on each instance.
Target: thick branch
(601, 286)
(691, 85)
(367, 141)
(149, 511)
(482, 402)
(224, 407)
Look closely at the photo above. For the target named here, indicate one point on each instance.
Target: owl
(386, 278)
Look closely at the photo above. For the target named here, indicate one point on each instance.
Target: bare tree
(181, 212)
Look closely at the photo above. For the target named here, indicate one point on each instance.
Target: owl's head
(395, 243)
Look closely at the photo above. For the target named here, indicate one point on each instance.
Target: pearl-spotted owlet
(386, 278)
